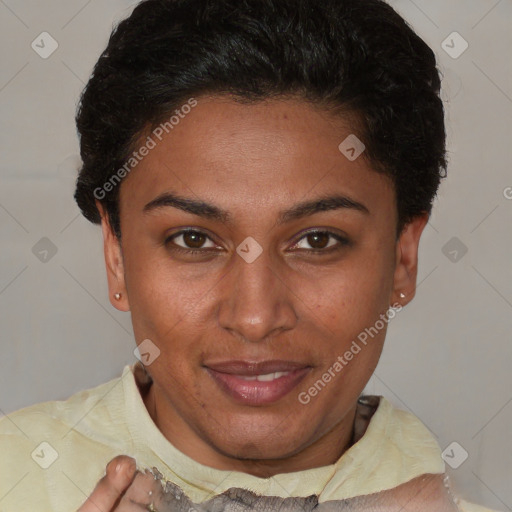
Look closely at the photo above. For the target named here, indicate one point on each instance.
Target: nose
(257, 302)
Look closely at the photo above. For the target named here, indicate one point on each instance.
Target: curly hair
(359, 58)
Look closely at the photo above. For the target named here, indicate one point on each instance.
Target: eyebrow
(212, 212)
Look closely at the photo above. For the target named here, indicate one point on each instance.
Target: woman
(262, 172)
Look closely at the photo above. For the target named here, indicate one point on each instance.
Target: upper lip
(250, 368)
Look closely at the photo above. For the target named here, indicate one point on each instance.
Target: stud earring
(402, 295)
(117, 296)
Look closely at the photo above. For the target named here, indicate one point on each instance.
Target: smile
(257, 384)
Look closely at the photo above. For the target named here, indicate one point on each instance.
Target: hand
(109, 491)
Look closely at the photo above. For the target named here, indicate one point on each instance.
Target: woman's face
(262, 293)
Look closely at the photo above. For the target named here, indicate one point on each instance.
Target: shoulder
(433, 491)
(408, 431)
(403, 441)
(422, 494)
(53, 452)
(59, 416)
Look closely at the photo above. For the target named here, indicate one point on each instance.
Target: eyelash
(342, 242)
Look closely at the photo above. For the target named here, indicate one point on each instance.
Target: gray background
(448, 354)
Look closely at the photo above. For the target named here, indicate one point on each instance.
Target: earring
(402, 295)
(117, 296)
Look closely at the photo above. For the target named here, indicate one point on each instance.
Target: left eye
(321, 240)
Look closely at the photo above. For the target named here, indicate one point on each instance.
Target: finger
(119, 474)
(143, 491)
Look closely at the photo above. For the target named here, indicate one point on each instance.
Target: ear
(406, 263)
(113, 263)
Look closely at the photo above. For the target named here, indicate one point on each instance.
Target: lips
(257, 382)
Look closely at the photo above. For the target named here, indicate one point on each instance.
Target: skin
(253, 161)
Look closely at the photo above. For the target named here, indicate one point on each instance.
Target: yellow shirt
(52, 454)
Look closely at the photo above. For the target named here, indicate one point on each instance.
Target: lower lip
(254, 392)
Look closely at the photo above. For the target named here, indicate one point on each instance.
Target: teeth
(264, 378)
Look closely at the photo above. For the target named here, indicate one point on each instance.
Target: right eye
(190, 241)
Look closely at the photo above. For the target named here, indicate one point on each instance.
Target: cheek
(156, 289)
(353, 296)
(171, 312)
(154, 309)
(352, 312)
(373, 281)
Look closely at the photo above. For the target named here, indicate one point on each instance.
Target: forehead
(269, 153)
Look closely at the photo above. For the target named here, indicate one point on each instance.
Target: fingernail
(118, 467)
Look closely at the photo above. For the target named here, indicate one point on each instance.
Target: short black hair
(359, 57)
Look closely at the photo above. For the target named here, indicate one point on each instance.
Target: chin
(260, 440)
(254, 450)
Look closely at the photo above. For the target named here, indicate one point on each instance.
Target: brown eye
(318, 240)
(321, 241)
(191, 239)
